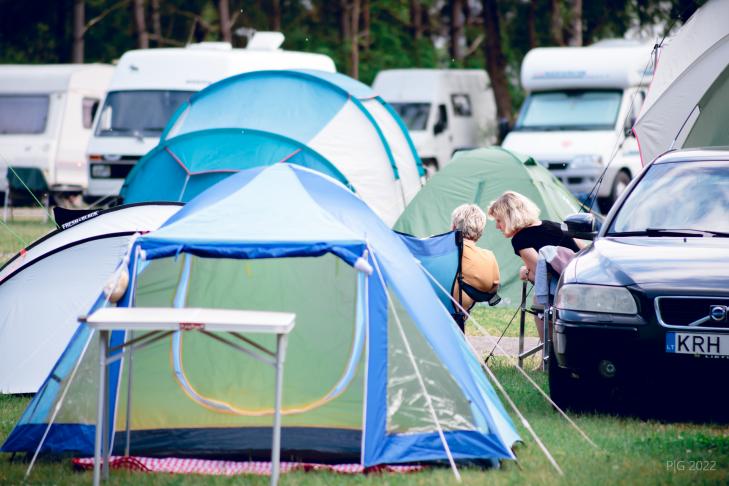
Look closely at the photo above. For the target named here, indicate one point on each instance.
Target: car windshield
(570, 110)
(677, 199)
(23, 114)
(415, 115)
(138, 113)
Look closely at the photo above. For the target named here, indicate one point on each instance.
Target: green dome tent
(480, 176)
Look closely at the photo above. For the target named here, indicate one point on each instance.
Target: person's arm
(529, 256)
(581, 243)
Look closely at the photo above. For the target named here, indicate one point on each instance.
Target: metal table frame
(158, 323)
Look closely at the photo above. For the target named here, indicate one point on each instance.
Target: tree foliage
(386, 33)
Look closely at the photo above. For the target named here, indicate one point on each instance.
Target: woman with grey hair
(479, 269)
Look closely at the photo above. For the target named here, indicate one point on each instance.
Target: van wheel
(431, 167)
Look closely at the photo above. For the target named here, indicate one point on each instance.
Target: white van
(445, 110)
(578, 116)
(150, 84)
(46, 113)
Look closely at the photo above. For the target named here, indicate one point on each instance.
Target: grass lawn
(632, 451)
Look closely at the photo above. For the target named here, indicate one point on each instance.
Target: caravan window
(415, 115)
(570, 110)
(461, 103)
(138, 113)
(89, 107)
(23, 114)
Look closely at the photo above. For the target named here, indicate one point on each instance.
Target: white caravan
(46, 113)
(578, 116)
(445, 110)
(150, 84)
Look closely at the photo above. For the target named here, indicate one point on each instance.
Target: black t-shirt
(547, 233)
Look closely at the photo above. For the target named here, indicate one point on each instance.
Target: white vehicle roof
(52, 78)
(412, 85)
(194, 67)
(613, 64)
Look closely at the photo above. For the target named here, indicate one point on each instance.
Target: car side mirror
(582, 226)
(628, 128)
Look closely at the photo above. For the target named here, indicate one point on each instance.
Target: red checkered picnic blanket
(230, 468)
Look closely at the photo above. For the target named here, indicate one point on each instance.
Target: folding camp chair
(25, 184)
(440, 256)
(550, 264)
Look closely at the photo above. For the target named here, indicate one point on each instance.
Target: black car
(648, 302)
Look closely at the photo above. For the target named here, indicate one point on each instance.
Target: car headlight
(596, 298)
(101, 171)
(586, 162)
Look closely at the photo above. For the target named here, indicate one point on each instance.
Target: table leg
(276, 447)
(103, 337)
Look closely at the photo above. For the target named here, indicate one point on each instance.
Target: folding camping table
(157, 323)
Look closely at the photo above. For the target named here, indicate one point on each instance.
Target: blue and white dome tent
(338, 117)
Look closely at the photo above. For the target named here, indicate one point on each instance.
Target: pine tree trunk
(576, 23)
(77, 52)
(354, 67)
(275, 21)
(532, 24)
(366, 22)
(495, 60)
(139, 25)
(555, 22)
(224, 16)
(416, 19)
(156, 23)
(456, 30)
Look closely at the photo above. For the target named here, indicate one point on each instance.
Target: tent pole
(417, 370)
(363, 286)
(519, 368)
(57, 408)
(130, 350)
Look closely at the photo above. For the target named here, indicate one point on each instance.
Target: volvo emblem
(718, 312)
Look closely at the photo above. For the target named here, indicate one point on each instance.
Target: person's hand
(523, 273)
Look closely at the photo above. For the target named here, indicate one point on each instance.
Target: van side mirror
(442, 122)
(504, 128)
(628, 128)
(582, 226)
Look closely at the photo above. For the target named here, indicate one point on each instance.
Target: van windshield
(138, 113)
(570, 110)
(23, 114)
(415, 115)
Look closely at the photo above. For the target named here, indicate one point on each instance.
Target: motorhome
(150, 84)
(578, 116)
(46, 114)
(445, 110)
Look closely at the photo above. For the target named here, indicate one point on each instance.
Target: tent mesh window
(407, 407)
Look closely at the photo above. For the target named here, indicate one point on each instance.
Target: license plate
(693, 343)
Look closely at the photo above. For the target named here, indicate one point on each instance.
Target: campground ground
(632, 450)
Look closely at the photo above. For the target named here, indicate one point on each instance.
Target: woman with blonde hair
(517, 217)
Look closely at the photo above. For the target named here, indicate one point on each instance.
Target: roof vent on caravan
(211, 46)
(265, 41)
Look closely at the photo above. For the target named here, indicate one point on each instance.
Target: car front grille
(693, 312)
(557, 165)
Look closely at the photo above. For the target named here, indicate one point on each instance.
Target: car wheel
(567, 391)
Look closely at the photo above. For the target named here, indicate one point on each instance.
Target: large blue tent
(377, 372)
(336, 116)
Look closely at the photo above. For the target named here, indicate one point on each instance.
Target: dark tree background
(362, 36)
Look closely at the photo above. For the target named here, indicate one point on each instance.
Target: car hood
(695, 263)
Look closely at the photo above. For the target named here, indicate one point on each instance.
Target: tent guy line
(496, 345)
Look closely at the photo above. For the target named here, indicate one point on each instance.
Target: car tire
(566, 390)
